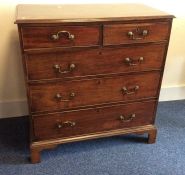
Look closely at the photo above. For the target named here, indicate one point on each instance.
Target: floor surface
(120, 155)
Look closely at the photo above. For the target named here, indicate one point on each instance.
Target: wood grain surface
(93, 62)
(92, 91)
(85, 13)
(93, 120)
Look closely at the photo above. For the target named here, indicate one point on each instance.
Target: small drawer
(82, 93)
(68, 124)
(135, 33)
(92, 62)
(60, 36)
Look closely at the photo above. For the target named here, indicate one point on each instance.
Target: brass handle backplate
(130, 91)
(132, 62)
(138, 32)
(65, 124)
(59, 97)
(57, 36)
(58, 68)
(128, 118)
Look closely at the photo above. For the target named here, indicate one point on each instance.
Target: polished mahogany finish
(135, 33)
(68, 124)
(93, 62)
(93, 91)
(81, 13)
(91, 71)
(60, 36)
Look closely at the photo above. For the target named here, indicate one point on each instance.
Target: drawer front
(93, 62)
(135, 33)
(93, 120)
(60, 36)
(73, 94)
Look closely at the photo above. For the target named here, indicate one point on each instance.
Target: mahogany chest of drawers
(91, 71)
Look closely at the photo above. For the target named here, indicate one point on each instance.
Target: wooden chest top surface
(28, 13)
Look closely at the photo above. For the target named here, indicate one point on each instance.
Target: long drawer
(60, 36)
(72, 94)
(135, 33)
(91, 62)
(68, 124)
